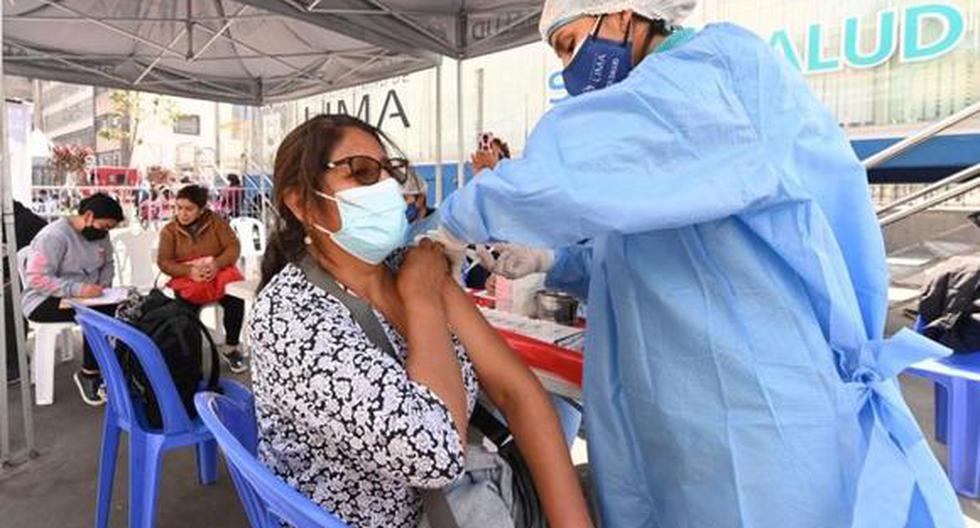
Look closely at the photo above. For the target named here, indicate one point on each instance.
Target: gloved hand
(516, 261)
(455, 249)
(486, 256)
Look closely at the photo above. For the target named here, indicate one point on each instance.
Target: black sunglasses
(367, 170)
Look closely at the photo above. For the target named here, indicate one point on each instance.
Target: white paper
(539, 329)
(109, 296)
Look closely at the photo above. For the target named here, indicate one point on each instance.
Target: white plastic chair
(135, 253)
(46, 343)
(247, 229)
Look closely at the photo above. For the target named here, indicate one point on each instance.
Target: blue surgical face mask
(412, 212)
(598, 63)
(372, 220)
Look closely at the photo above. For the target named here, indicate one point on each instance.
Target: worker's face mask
(372, 220)
(412, 212)
(598, 63)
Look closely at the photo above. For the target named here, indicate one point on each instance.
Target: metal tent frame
(250, 52)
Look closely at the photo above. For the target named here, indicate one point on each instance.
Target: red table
(559, 369)
(539, 355)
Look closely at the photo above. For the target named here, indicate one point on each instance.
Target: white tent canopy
(251, 51)
(218, 50)
(455, 28)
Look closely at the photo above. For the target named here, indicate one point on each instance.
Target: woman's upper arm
(504, 377)
(165, 249)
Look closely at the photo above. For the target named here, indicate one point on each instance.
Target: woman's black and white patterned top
(339, 419)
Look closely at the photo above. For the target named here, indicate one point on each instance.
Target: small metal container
(556, 307)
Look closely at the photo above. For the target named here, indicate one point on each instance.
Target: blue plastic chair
(957, 406)
(146, 445)
(266, 499)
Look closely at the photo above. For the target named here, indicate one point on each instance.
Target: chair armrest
(237, 392)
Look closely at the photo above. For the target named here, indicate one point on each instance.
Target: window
(188, 124)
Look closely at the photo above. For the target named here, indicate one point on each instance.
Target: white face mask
(372, 220)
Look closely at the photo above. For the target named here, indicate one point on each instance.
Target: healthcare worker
(736, 373)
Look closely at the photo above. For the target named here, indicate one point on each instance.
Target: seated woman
(196, 244)
(72, 257)
(357, 429)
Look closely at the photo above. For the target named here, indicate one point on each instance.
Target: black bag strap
(437, 508)
(360, 310)
(210, 366)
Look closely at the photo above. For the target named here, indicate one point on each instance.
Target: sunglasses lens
(365, 170)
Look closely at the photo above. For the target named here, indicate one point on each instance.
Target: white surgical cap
(414, 185)
(557, 13)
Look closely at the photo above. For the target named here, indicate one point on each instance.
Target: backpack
(184, 342)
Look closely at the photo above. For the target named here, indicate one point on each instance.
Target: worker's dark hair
(102, 206)
(658, 28)
(194, 194)
(301, 162)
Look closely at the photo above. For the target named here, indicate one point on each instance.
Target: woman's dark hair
(102, 206)
(194, 194)
(233, 180)
(504, 148)
(300, 163)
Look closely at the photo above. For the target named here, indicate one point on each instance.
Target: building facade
(884, 68)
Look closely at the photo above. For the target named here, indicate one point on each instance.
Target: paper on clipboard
(109, 296)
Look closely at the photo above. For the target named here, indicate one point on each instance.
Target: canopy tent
(251, 51)
(456, 28)
(217, 50)
(237, 51)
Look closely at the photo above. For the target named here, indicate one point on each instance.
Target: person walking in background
(232, 197)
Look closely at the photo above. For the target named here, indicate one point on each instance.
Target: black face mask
(92, 233)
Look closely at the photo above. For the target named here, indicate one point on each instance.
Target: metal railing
(258, 199)
(963, 181)
(973, 182)
(919, 137)
(147, 206)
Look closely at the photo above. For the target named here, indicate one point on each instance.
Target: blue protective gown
(736, 373)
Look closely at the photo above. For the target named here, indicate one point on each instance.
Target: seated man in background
(72, 257)
(416, 196)
(949, 305)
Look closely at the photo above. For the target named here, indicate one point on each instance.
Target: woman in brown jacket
(197, 234)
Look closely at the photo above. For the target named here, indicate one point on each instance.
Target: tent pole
(460, 151)
(439, 189)
(7, 204)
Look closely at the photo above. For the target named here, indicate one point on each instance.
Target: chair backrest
(247, 229)
(23, 255)
(135, 262)
(98, 328)
(265, 497)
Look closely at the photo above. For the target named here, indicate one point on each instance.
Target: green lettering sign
(917, 17)
(886, 41)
